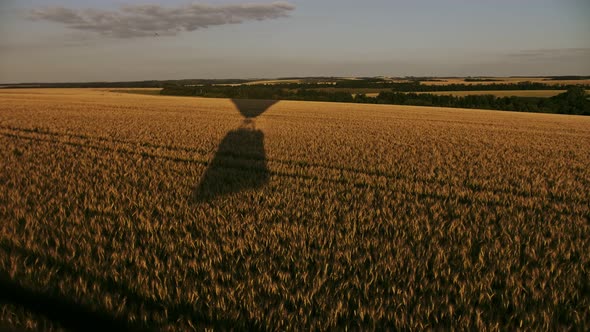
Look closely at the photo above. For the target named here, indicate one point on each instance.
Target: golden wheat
(177, 213)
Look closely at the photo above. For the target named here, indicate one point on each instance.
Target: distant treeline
(418, 87)
(131, 84)
(477, 79)
(568, 78)
(574, 101)
(276, 92)
(412, 84)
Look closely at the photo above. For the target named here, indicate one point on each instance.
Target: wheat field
(171, 213)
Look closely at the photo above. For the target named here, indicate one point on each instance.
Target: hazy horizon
(84, 41)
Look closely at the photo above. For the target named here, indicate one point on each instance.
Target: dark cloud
(147, 20)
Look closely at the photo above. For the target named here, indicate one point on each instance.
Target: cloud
(148, 20)
(550, 53)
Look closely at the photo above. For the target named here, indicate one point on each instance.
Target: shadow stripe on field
(72, 315)
(234, 163)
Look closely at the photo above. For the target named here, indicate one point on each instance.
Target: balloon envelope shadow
(252, 108)
(240, 161)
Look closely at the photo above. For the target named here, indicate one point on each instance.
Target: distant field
(513, 93)
(126, 211)
(507, 93)
(352, 90)
(273, 82)
(509, 80)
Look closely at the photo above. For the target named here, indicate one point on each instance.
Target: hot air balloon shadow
(240, 161)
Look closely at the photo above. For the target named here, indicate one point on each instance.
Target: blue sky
(41, 42)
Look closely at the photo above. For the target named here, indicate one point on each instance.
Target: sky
(124, 40)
